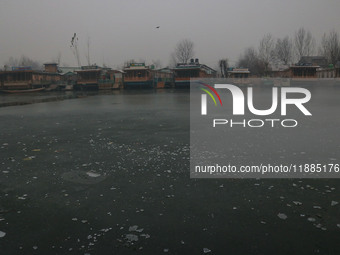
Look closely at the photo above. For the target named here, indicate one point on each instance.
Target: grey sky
(123, 30)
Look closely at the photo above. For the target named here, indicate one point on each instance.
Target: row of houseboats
(139, 75)
(135, 75)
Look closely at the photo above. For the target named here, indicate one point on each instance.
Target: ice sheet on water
(206, 250)
(333, 203)
(145, 235)
(93, 174)
(282, 216)
(133, 228)
(2, 234)
(131, 238)
(83, 177)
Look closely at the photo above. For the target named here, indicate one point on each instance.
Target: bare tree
(330, 47)
(156, 63)
(184, 51)
(251, 60)
(304, 43)
(266, 50)
(284, 50)
(223, 64)
(173, 60)
(24, 61)
(248, 58)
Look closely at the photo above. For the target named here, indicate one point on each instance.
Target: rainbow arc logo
(210, 94)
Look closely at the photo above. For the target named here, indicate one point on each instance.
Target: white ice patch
(92, 174)
(2, 234)
(131, 238)
(333, 203)
(206, 250)
(282, 216)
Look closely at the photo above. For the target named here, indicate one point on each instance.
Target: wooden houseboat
(194, 70)
(326, 73)
(106, 79)
(24, 78)
(303, 71)
(238, 73)
(239, 76)
(138, 75)
(94, 78)
(69, 77)
(163, 78)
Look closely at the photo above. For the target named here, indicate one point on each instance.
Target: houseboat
(239, 76)
(194, 70)
(163, 78)
(238, 73)
(94, 78)
(21, 79)
(69, 77)
(304, 71)
(106, 79)
(138, 75)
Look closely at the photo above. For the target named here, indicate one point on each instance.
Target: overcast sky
(126, 29)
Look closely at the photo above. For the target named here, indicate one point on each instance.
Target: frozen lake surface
(109, 174)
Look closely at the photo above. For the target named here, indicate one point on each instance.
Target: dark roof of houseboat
(136, 68)
(18, 71)
(89, 70)
(28, 71)
(305, 66)
(239, 70)
(193, 66)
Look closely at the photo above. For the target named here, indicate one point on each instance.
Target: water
(139, 197)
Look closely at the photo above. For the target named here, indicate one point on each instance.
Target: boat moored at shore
(194, 70)
(24, 78)
(138, 75)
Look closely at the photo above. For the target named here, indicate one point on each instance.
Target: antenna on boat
(74, 47)
(88, 51)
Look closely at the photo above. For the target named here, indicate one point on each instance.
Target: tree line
(282, 52)
(271, 52)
